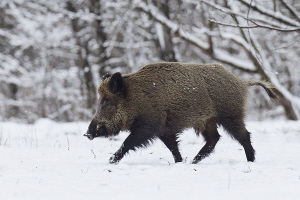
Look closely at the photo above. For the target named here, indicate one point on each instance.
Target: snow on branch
(275, 15)
(46, 6)
(239, 64)
(271, 76)
(267, 73)
(218, 55)
(256, 25)
(290, 9)
(258, 22)
(175, 28)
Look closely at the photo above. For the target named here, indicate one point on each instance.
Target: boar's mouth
(95, 132)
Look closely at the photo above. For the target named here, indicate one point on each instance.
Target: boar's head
(109, 115)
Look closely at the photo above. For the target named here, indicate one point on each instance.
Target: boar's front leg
(132, 142)
(142, 133)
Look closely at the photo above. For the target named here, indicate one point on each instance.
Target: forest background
(54, 53)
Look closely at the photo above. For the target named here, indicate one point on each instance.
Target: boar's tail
(267, 86)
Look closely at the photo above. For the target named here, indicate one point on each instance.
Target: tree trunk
(164, 35)
(83, 63)
(288, 107)
(14, 110)
(101, 38)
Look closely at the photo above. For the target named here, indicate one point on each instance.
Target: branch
(241, 65)
(175, 28)
(274, 15)
(288, 45)
(46, 6)
(217, 54)
(291, 9)
(255, 26)
(267, 23)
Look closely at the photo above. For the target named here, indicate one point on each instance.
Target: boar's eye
(104, 103)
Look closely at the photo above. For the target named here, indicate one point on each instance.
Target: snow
(50, 160)
(227, 58)
(160, 35)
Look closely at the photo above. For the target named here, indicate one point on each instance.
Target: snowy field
(49, 160)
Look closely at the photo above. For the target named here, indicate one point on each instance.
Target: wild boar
(161, 100)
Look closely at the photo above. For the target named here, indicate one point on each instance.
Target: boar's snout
(90, 136)
(95, 130)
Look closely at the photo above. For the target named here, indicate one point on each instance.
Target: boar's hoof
(195, 161)
(114, 160)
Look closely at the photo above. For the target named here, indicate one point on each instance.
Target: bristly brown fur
(163, 99)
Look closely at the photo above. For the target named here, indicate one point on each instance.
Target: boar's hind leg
(237, 129)
(211, 136)
(171, 142)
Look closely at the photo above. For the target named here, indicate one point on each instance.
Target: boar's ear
(107, 75)
(116, 84)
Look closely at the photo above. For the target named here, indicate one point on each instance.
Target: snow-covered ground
(49, 160)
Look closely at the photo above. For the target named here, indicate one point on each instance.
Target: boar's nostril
(89, 136)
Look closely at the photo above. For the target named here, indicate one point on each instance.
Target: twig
(68, 143)
(256, 26)
(291, 9)
(263, 22)
(277, 16)
(93, 153)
